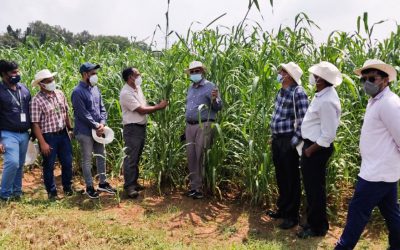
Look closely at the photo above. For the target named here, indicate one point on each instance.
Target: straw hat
(108, 136)
(328, 72)
(378, 64)
(293, 70)
(43, 74)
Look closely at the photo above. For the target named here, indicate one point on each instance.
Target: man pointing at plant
(202, 104)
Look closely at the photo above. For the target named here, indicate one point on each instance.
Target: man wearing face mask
(134, 118)
(319, 131)
(90, 113)
(202, 104)
(14, 126)
(290, 107)
(377, 182)
(50, 124)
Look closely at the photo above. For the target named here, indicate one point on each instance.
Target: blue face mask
(196, 78)
(15, 79)
(279, 78)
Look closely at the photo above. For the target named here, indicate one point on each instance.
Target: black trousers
(134, 138)
(286, 161)
(313, 170)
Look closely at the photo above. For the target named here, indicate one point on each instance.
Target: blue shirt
(283, 118)
(88, 107)
(12, 104)
(199, 94)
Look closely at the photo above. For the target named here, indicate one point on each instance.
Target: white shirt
(322, 118)
(380, 138)
(131, 99)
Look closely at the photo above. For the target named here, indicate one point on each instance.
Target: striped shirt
(50, 111)
(283, 117)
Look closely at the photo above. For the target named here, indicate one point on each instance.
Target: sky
(138, 18)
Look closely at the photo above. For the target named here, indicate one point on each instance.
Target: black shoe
(92, 193)
(132, 193)
(190, 193)
(288, 223)
(308, 233)
(273, 214)
(16, 198)
(197, 195)
(106, 187)
(53, 196)
(4, 199)
(68, 191)
(139, 187)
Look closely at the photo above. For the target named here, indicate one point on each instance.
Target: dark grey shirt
(198, 102)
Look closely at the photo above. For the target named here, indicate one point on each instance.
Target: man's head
(45, 80)
(289, 73)
(325, 74)
(132, 76)
(375, 76)
(9, 72)
(196, 71)
(89, 73)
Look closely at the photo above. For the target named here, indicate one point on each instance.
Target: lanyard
(19, 103)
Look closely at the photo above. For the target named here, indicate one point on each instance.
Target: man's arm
(81, 112)
(301, 102)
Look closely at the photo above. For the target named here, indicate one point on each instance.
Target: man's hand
(162, 104)
(2, 149)
(214, 94)
(100, 130)
(45, 149)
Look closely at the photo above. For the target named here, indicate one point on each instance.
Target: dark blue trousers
(61, 148)
(367, 196)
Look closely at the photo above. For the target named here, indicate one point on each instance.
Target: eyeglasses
(195, 71)
(370, 78)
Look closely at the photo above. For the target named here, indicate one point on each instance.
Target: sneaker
(68, 191)
(53, 196)
(132, 193)
(197, 195)
(190, 193)
(106, 187)
(308, 233)
(288, 223)
(274, 214)
(92, 193)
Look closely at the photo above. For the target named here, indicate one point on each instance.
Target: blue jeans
(16, 145)
(61, 148)
(366, 196)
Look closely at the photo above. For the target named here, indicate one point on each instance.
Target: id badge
(23, 117)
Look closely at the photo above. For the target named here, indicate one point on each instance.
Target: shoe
(197, 195)
(16, 198)
(288, 223)
(53, 196)
(190, 193)
(68, 191)
(92, 193)
(132, 193)
(274, 214)
(308, 233)
(4, 199)
(139, 187)
(106, 187)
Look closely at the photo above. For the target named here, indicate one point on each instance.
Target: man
(319, 131)
(50, 124)
(286, 135)
(202, 104)
(380, 157)
(14, 126)
(90, 113)
(134, 118)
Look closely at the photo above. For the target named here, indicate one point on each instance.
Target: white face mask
(311, 80)
(138, 81)
(93, 80)
(49, 86)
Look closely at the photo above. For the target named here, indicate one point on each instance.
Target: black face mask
(15, 79)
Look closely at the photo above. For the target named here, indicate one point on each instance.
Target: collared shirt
(50, 111)
(380, 138)
(322, 118)
(14, 106)
(198, 102)
(88, 107)
(131, 99)
(283, 117)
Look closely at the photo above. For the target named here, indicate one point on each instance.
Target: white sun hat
(328, 72)
(108, 136)
(378, 64)
(43, 74)
(195, 65)
(31, 154)
(293, 70)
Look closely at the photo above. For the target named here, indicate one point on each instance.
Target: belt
(136, 124)
(61, 132)
(282, 135)
(197, 122)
